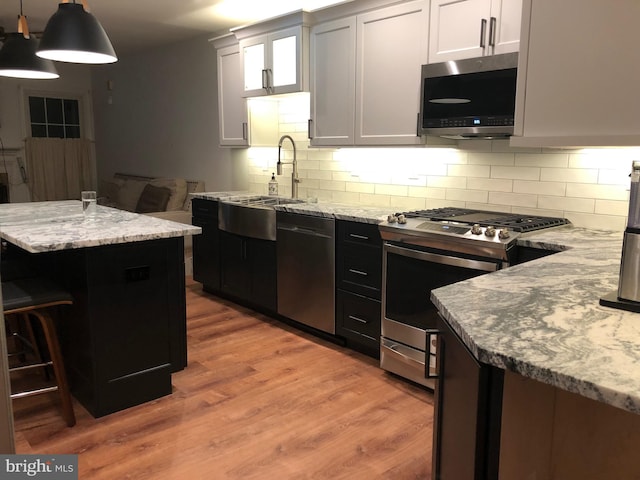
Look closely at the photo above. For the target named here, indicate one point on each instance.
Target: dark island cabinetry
(126, 331)
(467, 412)
(359, 285)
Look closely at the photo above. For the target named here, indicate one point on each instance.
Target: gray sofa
(166, 198)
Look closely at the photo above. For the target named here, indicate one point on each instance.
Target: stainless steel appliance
(628, 295)
(470, 98)
(429, 249)
(306, 270)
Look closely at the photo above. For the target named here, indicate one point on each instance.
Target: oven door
(409, 274)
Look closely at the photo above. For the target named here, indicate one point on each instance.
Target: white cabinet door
(232, 108)
(458, 29)
(275, 63)
(473, 28)
(507, 18)
(392, 45)
(333, 67)
(578, 86)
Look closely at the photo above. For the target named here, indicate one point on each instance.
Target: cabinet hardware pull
(359, 237)
(361, 320)
(245, 131)
(483, 30)
(492, 32)
(309, 123)
(265, 79)
(358, 272)
(418, 125)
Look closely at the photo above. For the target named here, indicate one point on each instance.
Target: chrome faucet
(294, 175)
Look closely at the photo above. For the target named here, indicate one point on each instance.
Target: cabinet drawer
(358, 233)
(204, 208)
(360, 270)
(359, 316)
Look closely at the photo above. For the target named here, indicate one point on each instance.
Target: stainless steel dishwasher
(306, 269)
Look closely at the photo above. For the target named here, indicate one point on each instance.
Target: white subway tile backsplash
(469, 170)
(581, 205)
(513, 199)
(540, 188)
(515, 173)
(554, 160)
(491, 158)
(569, 175)
(490, 184)
(467, 195)
(447, 182)
(589, 186)
(588, 190)
(612, 207)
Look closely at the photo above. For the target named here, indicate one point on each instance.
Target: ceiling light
(74, 35)
(18, 55)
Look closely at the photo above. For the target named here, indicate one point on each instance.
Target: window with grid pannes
(54, 117)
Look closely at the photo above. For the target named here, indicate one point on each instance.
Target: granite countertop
(542, 319)
(354, 213)
(47, 226)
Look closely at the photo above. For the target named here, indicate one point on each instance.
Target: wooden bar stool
(34, 296)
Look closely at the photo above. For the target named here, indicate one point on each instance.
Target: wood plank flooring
(259, 400)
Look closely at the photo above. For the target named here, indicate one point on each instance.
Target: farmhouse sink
(251, 216)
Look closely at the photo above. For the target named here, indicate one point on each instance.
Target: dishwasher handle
(303, 230)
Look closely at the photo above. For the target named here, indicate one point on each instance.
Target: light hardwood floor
(259, 400)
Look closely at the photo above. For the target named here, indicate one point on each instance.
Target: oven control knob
(476, 230)
(391, 219)
(490, 231)
(402, 219)
(504, 233)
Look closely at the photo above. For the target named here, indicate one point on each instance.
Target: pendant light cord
(23, 28)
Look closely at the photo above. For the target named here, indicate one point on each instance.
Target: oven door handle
(442, 259)
(432, 363)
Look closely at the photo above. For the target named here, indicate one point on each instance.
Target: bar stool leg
(26, 321)
(58, 366)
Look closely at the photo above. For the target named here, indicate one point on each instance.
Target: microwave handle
(483, 30)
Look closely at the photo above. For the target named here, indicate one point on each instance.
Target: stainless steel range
(429, 249)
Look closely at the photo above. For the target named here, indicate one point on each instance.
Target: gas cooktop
(476, 232)
(514, 221)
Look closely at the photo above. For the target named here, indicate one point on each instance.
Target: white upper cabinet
(473, 28)
(232, 107)
(366, 77)
(333, 73)
(578, 74)
(275, 60)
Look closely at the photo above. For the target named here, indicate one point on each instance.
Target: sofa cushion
(129, 194)
(178, 188)
(153, 199)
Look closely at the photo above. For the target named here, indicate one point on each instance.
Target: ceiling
(134, 25)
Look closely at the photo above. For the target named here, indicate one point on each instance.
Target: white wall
(75, 80)
(160, 118)
(589, 187)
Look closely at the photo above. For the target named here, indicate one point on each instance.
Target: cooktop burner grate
(514, 221)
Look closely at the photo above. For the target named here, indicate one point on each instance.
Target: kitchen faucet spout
(294, 175)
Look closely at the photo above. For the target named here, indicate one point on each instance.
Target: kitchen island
(126, 331)
(571, 394)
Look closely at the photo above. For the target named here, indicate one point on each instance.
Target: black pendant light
(74, 35)
(18, 55)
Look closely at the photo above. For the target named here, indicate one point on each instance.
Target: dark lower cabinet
(359, 285)
(126, 331)
(206, 246)
(248, 269)
(467, 413)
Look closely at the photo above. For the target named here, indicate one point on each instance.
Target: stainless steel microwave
(470, 98)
